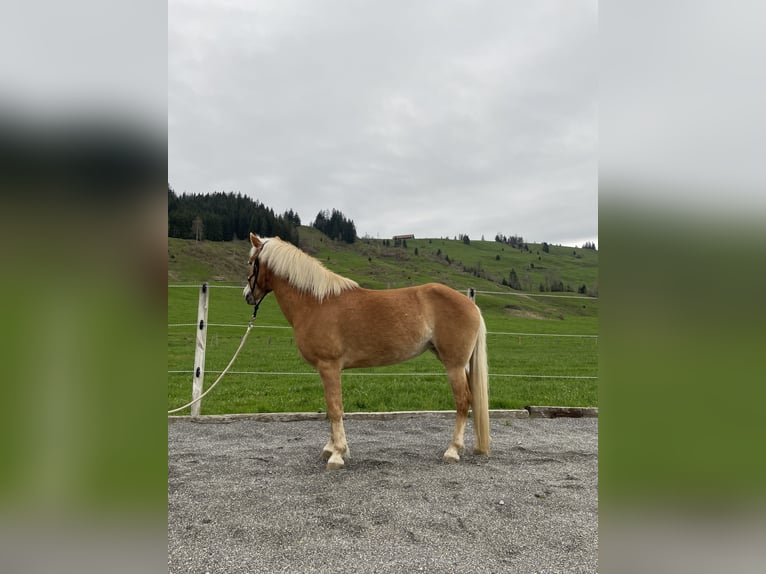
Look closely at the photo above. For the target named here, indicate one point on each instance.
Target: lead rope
(241, 344)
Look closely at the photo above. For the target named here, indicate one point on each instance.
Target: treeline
(516, 241)
(226, 216)
(551, 281)
(335, 226)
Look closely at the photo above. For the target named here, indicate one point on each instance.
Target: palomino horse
(338, 325)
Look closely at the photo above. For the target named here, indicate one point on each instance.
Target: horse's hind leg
(337, 447)
(459, 382)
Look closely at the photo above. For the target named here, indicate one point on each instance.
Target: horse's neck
(292, 302)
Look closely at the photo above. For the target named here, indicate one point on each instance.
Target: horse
(339, 325)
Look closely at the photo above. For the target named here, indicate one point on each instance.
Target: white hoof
(451, 455)
(328, 450)
(335, 462)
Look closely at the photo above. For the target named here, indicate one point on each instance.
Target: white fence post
(199, 353)
(472, 294)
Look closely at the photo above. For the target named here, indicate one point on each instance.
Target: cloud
(447, 117)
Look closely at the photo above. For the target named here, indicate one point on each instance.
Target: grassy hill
(535, 344)
(482, 264)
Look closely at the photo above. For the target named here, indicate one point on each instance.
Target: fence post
(199, 353)
(472, 294)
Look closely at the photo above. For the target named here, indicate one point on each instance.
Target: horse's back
(429, 300)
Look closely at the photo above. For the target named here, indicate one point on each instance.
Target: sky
(435, 118)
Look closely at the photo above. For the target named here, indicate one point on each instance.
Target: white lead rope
(241, 344)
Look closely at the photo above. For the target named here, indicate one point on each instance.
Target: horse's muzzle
(248, 295)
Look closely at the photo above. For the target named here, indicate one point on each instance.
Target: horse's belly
(377, 353)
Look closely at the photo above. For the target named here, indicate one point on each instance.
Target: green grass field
(519, 364)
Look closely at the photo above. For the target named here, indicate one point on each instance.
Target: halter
(252, 283)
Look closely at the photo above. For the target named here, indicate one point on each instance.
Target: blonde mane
(301, 270)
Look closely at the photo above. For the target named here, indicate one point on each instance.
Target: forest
(226, 216)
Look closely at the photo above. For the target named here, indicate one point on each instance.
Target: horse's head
(257, 281)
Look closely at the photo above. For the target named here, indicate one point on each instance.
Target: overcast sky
(428, 117)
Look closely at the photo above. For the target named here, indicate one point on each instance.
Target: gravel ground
(249, 496)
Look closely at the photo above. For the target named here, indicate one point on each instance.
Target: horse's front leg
(336, 447)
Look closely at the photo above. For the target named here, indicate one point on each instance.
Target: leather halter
(252, 282)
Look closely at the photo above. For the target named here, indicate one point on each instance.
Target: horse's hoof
(327, 453)
(451, 456)
(335, 462)
(484, 452)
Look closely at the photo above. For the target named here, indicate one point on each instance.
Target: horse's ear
(255, 240)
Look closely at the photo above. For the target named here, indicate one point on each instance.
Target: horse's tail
(478, 382)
